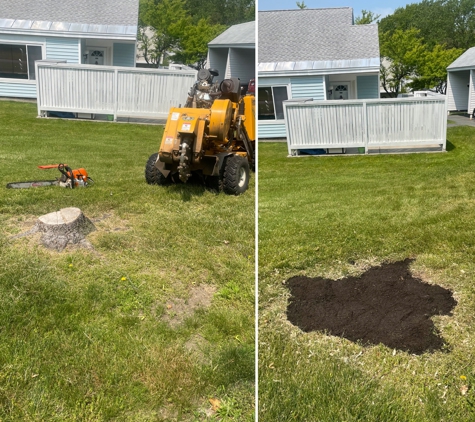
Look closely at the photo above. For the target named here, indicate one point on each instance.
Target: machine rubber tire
(236, 175)
(154, 176)
(214, 183)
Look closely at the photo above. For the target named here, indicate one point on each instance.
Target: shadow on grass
(449, 146)
(188, 190)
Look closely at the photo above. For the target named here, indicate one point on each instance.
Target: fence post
(365, 126)
(116, 93)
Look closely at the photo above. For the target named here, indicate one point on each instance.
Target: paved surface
(460, 120)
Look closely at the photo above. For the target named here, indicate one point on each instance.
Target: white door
(96, 56)
(340, 92)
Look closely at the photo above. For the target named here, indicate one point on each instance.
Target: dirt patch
(387, 305)
(178, 309)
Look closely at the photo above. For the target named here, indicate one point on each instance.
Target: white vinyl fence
(110, 90)
(366, 126)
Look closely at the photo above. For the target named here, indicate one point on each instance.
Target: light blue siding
(22, 38)
(308, 87)
(63, 49)
(124, 55)
(270, 131)
(17, 90)
(264, 81)
(367, 87)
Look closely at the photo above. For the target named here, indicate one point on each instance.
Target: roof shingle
(99, 12)
(314, 35)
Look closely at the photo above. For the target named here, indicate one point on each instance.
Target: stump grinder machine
(212, 138)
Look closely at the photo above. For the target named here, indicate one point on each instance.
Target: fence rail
(370, 124)
(116, 91)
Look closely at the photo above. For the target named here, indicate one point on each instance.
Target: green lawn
(337, 216)
(117, 332)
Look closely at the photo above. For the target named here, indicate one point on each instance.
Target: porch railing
(110, 90)
(375, 125)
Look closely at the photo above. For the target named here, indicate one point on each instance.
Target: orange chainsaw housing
(79, 175)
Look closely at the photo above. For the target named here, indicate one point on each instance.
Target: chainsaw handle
(67, 172)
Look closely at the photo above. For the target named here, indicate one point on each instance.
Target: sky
(376, 6)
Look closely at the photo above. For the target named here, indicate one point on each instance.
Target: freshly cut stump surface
(385, 305)
(68, 225)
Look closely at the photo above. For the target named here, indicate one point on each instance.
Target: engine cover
(220, 119)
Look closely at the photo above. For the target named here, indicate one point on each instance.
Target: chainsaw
(69, 178)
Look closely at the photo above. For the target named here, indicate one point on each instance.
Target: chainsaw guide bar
(32, 184)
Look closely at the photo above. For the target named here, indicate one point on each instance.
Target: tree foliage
(194, 42)
(223, 12)
(432, 68)
(366, 18)
(161, 25)
(449, 22)
(400, 54)
(407, 61)
(420, 40)
(183, 28)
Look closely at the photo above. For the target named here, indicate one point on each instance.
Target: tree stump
(68, 225)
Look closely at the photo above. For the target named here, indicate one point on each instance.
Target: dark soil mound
(385, 305)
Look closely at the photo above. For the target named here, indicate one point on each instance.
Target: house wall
(62, 49)
(52, 48)
(270, 129)
(217, 59)
(471, 92)
(308, 87)
(241, 64)
(361, 86)
(367, 87)
(124, 55)
(457, 90)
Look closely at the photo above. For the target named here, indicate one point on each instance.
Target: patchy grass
(338, 216)
(87, 334)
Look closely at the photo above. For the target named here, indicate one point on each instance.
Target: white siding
(217, 59)
(457, 90)
(242, 63)
(471, 95)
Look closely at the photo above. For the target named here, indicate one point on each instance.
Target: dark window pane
(280, 94)
(13, 63)
(34, 53)
(265, 109)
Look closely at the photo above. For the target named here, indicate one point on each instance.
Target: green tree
(366, 17)
(432, 69)
(193, 48)
(301, 5)
(230, 12)
(461, 15)
(449, 22)
(161, 25)
(401, 53)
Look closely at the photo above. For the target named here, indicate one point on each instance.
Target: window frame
(275, 119)
(26, 44)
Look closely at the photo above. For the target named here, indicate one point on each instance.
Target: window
(270, 105)
(18, 61)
